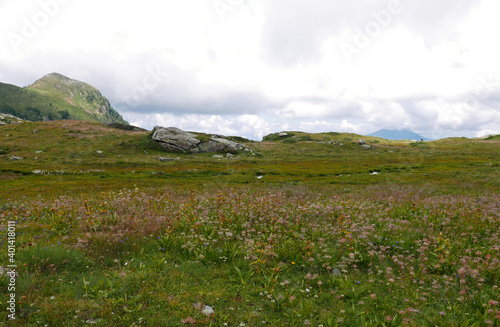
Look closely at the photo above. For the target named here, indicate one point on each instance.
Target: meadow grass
(304, 235)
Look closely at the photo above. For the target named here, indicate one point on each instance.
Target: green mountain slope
(54, 97)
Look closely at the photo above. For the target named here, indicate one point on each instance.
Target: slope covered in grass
(55, 96)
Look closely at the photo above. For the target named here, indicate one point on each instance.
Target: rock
(177, 140)
(163, 159)
(6, 119)
(361, 142)
(229, 155)
(217, 156)
(283, 134)
(13, 158)
(205, 309)
(99, 153)
(366, 146)
(221, 145)
(92, 321)
(125, 127)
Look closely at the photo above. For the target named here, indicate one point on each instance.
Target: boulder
(283, 134)
(177, 140)
(361, 142)
(366, 146)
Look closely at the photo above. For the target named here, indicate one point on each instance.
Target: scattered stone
(208, 310)
(99, 152)
(361, 142)
(229, 155)
(366, 146)
(205, 309)
(217, 156)
(163, 159)
(283, 134)
(13, 158)
(38, 151)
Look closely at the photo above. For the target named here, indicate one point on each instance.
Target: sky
(254, 67)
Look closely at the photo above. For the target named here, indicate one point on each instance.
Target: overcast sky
(252, 67)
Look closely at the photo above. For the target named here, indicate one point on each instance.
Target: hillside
(394, 134)
(54, 97)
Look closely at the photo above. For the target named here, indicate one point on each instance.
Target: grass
(305, 234)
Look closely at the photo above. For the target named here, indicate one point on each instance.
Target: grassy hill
(55, 96)
(314, 231)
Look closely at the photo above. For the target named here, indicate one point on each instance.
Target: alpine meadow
(306, 229)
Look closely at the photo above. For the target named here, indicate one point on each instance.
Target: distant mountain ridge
(55, 96)
(394, 134)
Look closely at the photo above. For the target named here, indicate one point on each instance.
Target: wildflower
(373, 296)
(492, 302)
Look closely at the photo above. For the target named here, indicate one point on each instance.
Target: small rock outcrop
(361, 142)
(6, 119)
(176, 140)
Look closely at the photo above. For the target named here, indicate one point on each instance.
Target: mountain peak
(55, 96)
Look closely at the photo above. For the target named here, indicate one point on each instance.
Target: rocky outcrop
(176, 140)
(6, 119)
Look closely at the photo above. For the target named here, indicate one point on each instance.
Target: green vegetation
(56, 97)
(319, 232)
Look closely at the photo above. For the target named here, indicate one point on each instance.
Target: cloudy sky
(252, 67)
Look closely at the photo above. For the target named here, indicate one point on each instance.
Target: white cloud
(258, 67)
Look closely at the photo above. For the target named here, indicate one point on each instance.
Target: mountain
(394, 134)
(54, 97)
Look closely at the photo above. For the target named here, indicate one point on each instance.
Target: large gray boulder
(175, 139)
